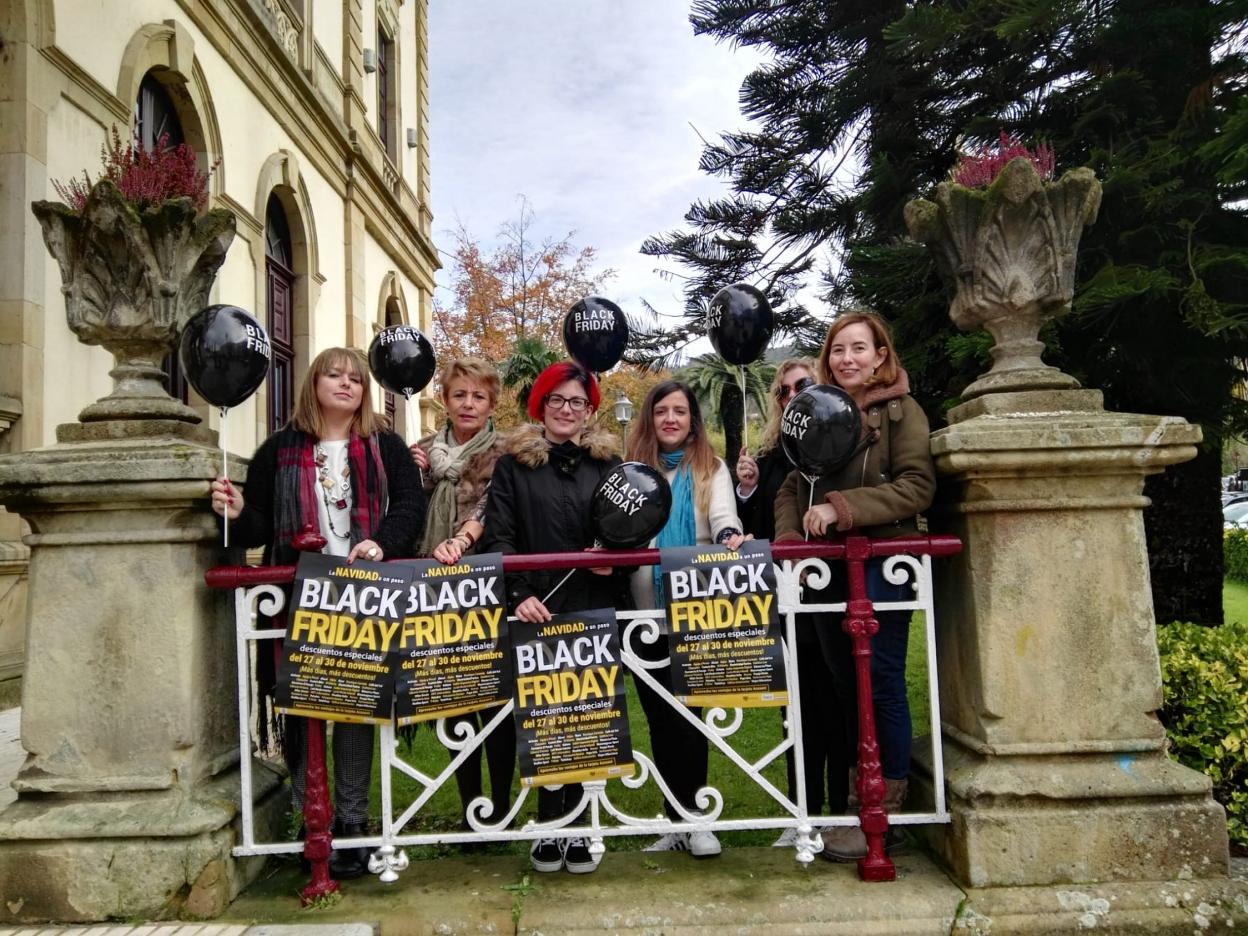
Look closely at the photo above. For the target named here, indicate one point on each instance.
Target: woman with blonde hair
(336, 468)
(671, 437)
(879, 492)
(759, 479)
(458, 462)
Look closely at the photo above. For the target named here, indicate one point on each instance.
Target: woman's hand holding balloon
(819, 519)
(419, 456)
(747, 473)
(532, 611)
(366, 549)
(227, 501)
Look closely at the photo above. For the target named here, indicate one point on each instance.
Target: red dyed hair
(552, 377)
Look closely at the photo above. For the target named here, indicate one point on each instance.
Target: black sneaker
(577, 857)
(546, 855)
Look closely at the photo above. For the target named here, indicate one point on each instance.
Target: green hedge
(1205, 674)
(1235, 554)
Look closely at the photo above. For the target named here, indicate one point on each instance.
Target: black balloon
(739, 323)
(224, 354)
(402, 359)
(630, 506)
(820, 429)
(595, 332)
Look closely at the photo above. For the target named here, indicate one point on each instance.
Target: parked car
(1235, 516)
(1230, 497)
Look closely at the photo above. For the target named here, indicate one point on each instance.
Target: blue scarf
(681, 528)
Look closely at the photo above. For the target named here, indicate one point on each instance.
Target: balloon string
(597, 545)
(412, 435)
(810, 503)
(225, 473)
(745, 422)
(559, 586)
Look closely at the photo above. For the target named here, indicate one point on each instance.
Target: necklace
(339, 489)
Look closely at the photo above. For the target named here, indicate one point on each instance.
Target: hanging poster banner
(454, 652)
(723, 626)
(571, 710)
(344, 629)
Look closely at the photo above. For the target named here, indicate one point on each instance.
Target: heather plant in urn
(138, 255)
(1005, 236)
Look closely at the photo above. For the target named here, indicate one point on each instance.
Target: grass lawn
(1235, 601)
(759, 732)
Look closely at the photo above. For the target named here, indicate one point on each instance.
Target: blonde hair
(308, 418)
(887, 372)
(771, 432)
(643, 442)
(476, 369)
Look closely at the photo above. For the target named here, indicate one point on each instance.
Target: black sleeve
(502, 530)
(405, 516)
(254, 526)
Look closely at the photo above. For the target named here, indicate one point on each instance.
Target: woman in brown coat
(457, 462)
(879, 493)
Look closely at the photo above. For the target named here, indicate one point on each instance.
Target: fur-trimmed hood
(530, 448)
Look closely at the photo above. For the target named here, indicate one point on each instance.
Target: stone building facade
(316, 117)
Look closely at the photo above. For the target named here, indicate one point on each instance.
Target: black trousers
(679, 749)
(500, 758)
(826, 752)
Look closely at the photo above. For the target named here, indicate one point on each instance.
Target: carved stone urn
(131, 279)
(1009, 251)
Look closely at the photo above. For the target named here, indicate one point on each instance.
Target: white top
(326, 511)
(720, 515)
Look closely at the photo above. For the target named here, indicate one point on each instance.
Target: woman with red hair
(539, 502)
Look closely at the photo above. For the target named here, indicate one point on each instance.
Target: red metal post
(318, 815)
(318, 811)
(861, 625)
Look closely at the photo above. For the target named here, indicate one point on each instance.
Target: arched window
(280, 280)
(154, 116)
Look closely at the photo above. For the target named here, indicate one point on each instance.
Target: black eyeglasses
(784, 391)
(556, 401)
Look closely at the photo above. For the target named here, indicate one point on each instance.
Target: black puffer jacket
(539, 502)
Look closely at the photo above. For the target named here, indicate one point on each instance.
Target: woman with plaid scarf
(336, 467)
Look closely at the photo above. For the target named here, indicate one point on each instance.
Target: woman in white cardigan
(671, 437)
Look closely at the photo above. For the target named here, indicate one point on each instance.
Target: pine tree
(1149, 93)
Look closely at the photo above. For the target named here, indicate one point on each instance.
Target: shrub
(1204, 672)
(144, 177)
(1235, 554)
(975, 170)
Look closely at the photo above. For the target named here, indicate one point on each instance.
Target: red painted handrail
(248, 576)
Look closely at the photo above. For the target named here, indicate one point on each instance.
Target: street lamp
(623, 407)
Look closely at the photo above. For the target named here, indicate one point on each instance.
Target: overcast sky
(589, 108)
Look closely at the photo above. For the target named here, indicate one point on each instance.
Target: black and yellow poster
(725, 637)
(453, 651)
(344, 629)
(571, 712)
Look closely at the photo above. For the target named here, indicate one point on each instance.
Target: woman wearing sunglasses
(823, 741)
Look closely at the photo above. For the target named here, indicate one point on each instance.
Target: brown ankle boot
(848, 843)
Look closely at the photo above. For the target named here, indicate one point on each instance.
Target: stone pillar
(1049, 676)
(129, 793)
(130, 790)
(1066, 811)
